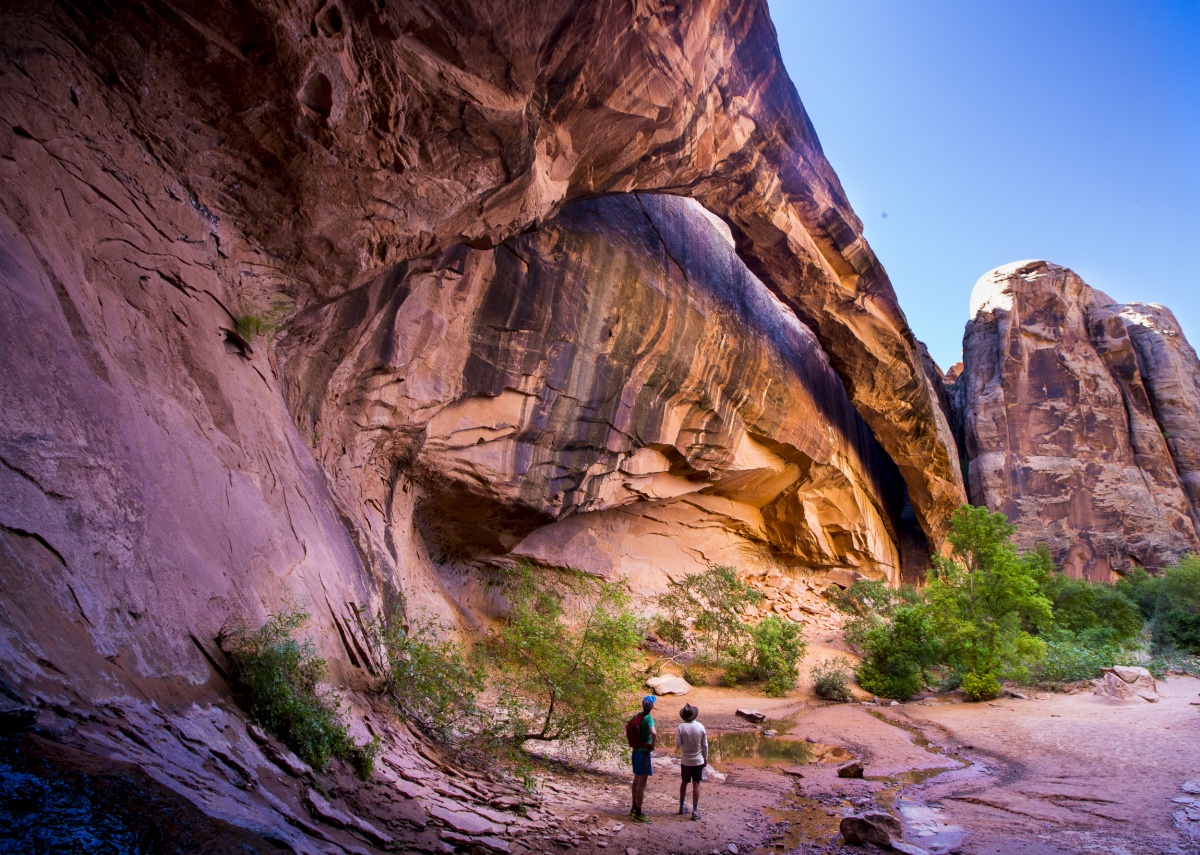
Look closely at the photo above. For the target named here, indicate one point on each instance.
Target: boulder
(1112, 687)
(853, 769)
(669, 684)
(877, 828)
(751, 715)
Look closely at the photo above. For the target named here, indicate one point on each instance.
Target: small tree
(705, 612)
(891, 627)
(565, 659)
(778, 648)
(279, 680)
(432, 680)
(1170, 602)
(984, 600)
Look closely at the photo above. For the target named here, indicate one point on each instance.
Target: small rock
(907, 848)
(877, 828)
(853, 769)
(794, 771)
(770, 733)
(669, 684)
(894, 704)
(751, 715)
(1192, 787)
(810, 740)
(1020, 696)
(732, 847)
(631, 851)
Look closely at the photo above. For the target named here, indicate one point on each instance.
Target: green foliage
(279, 678)
(898, 651)
(250, 326)
(1171, 604)
(778, 647)
(892, 629)
(565, 659)
(831, 680)
(986, 601)
(1070, 657)
(1103, 612)
(432, 681)
(704, 612)
(980, 687)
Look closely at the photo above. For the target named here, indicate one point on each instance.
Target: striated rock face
(615, 392)
(1061, 428)
(1171, 374)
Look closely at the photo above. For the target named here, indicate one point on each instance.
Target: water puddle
(751, 748)
(918, 776)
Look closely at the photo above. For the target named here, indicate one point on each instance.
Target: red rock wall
(1061, 432)
(614, 392)
(168, 167)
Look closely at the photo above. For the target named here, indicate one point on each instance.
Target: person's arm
(653, 737)
(704, 736)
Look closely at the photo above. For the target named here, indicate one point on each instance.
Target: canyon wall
(449, 376)
(1078, 418)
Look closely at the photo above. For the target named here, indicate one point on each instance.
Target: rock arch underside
(571, 282)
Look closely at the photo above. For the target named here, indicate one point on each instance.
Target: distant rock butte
(1080, 420)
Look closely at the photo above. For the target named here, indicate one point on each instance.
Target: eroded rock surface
(614, 392)
(1061, 430)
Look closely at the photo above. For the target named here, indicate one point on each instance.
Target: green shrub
(1104, 611)
(985, 602)
(565, 658)
(250, 326)
(279, 680)
(433, 682)
(1069, 659)
(980, 687)
(831, 680)
(704, 613)
(897, 653)
(778, 647)
(1170, 603)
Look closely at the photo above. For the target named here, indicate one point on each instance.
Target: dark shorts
(691, 774)
(641, 763)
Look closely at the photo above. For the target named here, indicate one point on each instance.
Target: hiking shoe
(633, 811)
(641, 817)
(695, 815)
(683, 810)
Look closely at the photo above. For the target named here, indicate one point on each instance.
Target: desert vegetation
(990, 614)
(701, 618)
(279, 678)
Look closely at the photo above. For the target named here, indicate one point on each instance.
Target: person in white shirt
(692, 739)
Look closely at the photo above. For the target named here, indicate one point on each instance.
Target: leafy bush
(986, 601)
(1069, 658)
(1103, 612)
(778, 647)
(1170, 603)
(279, 679)
(432, 681)
(831, 680)
(980, 687)
(704, 612)
(565, 659)
(897, 653)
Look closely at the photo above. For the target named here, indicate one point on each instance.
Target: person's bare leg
(695, 796)
(682, 792)
(639, 791)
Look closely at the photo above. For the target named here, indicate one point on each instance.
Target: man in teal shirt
(642, 768)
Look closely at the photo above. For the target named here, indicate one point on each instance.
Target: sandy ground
(1052, 774)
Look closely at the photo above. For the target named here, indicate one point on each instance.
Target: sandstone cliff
(614, 391)
(1078, 418)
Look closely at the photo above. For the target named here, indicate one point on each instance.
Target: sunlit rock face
(1061, 411)
(614, 391)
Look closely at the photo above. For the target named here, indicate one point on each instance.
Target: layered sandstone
(1061, 431)
(614, 391)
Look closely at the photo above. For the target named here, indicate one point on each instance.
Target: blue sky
(992, 132)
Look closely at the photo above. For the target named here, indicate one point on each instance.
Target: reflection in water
(751, 748)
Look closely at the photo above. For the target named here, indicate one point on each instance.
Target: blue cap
(649, 699)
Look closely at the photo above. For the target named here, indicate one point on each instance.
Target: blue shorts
(641, 762)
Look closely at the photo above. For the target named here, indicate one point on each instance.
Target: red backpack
(633, 731)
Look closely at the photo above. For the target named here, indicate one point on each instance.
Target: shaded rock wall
(1061, 396)
(346, 139)
(615, 392)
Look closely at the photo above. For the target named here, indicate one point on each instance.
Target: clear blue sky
(995, 131)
